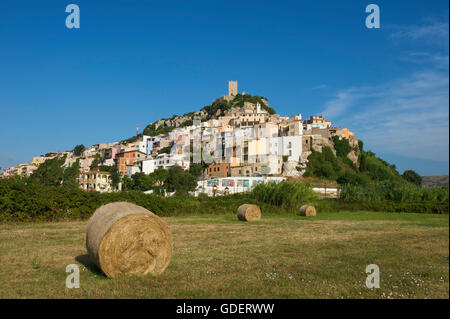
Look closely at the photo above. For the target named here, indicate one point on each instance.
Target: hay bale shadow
(86, 261)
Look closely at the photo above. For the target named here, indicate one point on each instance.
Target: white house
(170, 160)
(132, 169)
(147, 166)
(165, 161)
(291, 146)
(142, 144)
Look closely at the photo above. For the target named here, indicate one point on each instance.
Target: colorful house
(127, 158)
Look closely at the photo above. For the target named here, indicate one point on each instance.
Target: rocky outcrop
(353, 156)
(177, 121)
(219, 107)
(320, 141)
(290, 169)
(354, 153)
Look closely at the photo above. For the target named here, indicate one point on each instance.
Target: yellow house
(38, 160)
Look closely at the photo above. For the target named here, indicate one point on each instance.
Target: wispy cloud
(436, 59)
(344, 100)
(433, 31)
(407, 116)
(319, 87)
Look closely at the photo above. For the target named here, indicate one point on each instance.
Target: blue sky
(142, 60)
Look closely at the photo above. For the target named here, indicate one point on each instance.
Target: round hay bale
(307, 210)
(249, 212)
(123, 238)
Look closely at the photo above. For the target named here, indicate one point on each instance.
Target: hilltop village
(239, 140)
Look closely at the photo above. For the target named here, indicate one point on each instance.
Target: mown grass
(216, 256)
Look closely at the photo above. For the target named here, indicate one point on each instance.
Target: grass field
(219, 257)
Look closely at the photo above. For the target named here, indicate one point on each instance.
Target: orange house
(127, 158)
(347, 133)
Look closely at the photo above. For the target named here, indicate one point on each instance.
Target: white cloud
(318, 87)
(407, 116)
(434, 31)
(341, 102)
(421, 58)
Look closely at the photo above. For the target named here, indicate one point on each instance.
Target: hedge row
(424, 207)
(25, 201)
(22, 200)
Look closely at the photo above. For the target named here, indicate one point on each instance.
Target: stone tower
(232, 88)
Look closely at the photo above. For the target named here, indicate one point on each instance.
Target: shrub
(322, 164)
(341, 146)
(393, 191)
(78, 150)
(151, 130)
(22, 200)
(287, 195)
(412, 177)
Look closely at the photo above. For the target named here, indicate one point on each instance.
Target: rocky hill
(431, 181)
(218, 107)
(325, 155)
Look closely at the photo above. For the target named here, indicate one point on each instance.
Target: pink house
(85, 164)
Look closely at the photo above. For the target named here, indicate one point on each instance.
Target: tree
(180, 181)
(187, 123)
(160, 176)
(322, 164)
(412, 177)
(350, 178)
(50, 172)
(95, 162)
(114, 173)
(165, 150)
(196, 169)
(127, 183)
(360, 145)
(151, 130)
(341, 146)
(78, 150)
(70, 175)
(362, 162)
(142, 182)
